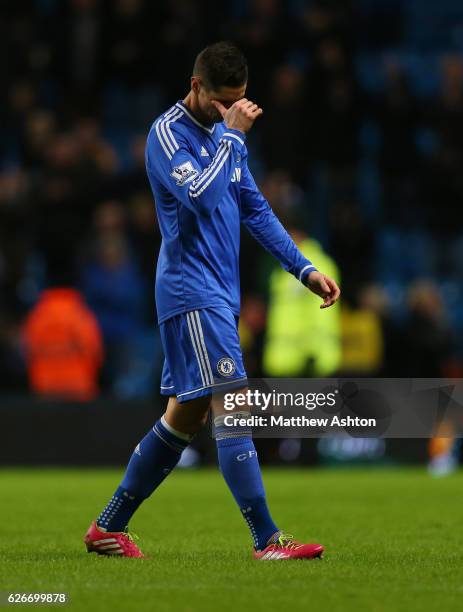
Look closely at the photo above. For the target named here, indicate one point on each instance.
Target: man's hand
(240, 116)
(323, 286)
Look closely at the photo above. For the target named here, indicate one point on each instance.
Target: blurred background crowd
(359, 152)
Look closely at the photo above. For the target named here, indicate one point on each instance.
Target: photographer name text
(231, 420)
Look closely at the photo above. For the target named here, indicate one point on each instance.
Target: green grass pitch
(394, 541)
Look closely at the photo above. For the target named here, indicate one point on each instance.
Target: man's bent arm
(168, 158)
(264, 225)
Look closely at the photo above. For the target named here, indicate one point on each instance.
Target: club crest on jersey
(226, 366)
(184, 173)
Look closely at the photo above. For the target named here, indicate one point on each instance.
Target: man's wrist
(234, 135)
(304, 273)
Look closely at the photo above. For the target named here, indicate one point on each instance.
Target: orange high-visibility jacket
(64, 348)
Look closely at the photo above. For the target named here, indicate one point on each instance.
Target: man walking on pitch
(196, 159)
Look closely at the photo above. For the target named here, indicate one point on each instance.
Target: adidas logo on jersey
(204, 153)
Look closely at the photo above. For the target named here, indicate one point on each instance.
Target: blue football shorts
(202, 353)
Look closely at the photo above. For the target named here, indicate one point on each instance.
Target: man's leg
(153, 459)
(240, 468)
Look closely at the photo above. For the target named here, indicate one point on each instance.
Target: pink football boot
(285, 547)
(118, 543)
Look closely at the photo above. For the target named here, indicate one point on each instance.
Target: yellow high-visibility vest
(298, 331)
(362, 341)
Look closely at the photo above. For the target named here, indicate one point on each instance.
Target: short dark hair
(221, 65)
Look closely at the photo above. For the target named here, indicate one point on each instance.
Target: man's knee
(228, 403)
(188, 417)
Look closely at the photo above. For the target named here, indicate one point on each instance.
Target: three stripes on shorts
(199, 346)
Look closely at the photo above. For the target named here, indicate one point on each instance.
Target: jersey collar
(181, 105)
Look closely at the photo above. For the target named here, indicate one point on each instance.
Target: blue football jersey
(203, 191)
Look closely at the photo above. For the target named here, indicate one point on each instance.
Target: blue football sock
(152, 460)
(240, 467)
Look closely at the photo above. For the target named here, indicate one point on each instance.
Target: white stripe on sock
(174, 432)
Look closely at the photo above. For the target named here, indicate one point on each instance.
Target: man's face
(225, 95)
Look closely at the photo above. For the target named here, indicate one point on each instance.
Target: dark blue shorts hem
(220, 387)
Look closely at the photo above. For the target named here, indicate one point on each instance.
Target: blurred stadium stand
(89, 434)
(361, 143)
